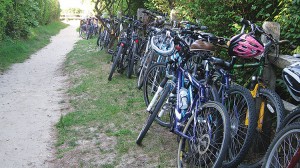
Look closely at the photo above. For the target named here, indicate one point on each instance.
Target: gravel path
(31, 99)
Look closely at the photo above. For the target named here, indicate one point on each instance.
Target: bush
(18, 16)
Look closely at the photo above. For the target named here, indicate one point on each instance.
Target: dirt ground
(31, 102)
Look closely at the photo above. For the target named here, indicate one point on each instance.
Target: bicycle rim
(116, 62)
(243, 118)
(212, 136)
(284, 147)
(152, 79)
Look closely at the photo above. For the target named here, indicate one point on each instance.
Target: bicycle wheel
(137, 58)
(82, 32)
(269, 102)
(116, 62)
(152, 115)
(146, 62)
(240, 105)
(100, 40)
(209, 138)
(152, 79)
(285, 148)
(293, 116)
(130, 61)
(106, 39)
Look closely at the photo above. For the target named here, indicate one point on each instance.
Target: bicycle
(284, 151)
(151, 79)
(205, 122)
(126, 55)
(237, 100)
(268, 104)
(86, 30)
(104, 35)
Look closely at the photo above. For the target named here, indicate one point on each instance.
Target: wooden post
(282, 61)
(269, 76)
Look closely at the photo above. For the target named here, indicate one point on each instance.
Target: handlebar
(224, 64)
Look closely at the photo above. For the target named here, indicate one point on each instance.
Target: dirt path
(31, 99)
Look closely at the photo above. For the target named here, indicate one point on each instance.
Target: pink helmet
(245, 45)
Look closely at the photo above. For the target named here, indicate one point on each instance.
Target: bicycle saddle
(202, 45)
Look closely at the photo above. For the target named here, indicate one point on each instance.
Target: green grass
(16, 51)
(108, 116)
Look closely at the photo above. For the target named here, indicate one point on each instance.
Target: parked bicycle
(269, 105)
(203, 125)
(126, 54)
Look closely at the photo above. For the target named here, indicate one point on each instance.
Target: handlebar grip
(245, 22)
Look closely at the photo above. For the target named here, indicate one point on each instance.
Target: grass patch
(108, 115)
(16, 51)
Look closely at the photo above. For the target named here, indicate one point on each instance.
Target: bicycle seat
(202, 45)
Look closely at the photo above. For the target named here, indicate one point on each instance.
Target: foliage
(5, 5)
(289, 21)
(112, 7)
(17, 17)
(161, 5)
(221, 15)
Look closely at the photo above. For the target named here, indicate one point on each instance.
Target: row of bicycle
(193, 93)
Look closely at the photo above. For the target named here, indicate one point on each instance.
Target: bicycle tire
(220, 136)
(82, 33)
(156, 72)
(130, 61)
(276, 153)
(273, 116)
(116, 61)
(293, 116)
(146, 64)
(152, 116)
(137, 58)
(239, 104)
(106, 39)
(100, 40)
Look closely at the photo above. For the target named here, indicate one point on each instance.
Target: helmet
(245, 45)
(163, 43)
(291, 78)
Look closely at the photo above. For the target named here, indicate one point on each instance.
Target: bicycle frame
(256, 83)
(182, 115)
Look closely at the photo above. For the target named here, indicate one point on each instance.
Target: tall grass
(16, 51)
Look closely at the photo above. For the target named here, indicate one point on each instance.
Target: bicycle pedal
(110, 51)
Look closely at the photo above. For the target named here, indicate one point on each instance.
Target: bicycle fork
(157, 93)
(261, 108)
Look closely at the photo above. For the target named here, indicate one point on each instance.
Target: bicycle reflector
(177, 47)
(122, 44)
(136, 40)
